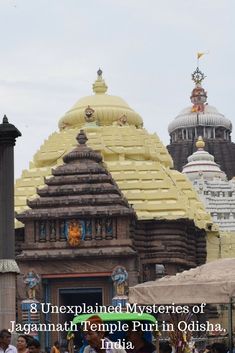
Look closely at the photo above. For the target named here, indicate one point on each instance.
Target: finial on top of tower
(198, 95)
(99, 73)
(99, 86)
(5, 120)
(198, 76)
(81, 138)
(200, 144)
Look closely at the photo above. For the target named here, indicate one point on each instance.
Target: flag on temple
(199, 55)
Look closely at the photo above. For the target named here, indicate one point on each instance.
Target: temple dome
(200, 113)
(202, 119)
(210, 117)
(108, 109)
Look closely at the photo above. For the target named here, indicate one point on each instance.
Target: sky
(52, 49)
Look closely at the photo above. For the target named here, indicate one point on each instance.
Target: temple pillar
(8, 266)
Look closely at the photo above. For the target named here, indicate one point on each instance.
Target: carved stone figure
(89, 114)
(42, 231)
(98, 227)
(74, 232)
(122, 121)
(52, 230)
(109, 226)
(31, 279)
(63, 227)
(89, 229)
(119, 277)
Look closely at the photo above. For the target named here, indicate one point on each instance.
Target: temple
(202, 119)
(102, 212)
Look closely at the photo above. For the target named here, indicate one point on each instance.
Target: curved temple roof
(108, 109)
(210, 117)
(137, 160)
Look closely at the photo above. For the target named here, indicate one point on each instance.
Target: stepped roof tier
(80, 186)
(137, 161)
(202, 119)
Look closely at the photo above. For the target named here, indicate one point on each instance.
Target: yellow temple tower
(137, 160)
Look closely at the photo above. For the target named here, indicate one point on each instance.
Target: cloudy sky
(51, 50)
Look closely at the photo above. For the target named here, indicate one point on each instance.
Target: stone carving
(89, 229)
(109, 226)
(74, 232)
(42, 231)
(63, 230)
(122, 121)
(52, 230)
(31, 279)
(119, 277)
(89, 114)
(98, 227)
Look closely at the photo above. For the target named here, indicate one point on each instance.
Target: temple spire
(199, 95)
(81, 138)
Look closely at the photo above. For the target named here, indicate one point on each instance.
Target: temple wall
(178, 245)
(220, 246)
